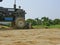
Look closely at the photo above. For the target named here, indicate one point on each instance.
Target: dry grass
(30, 37)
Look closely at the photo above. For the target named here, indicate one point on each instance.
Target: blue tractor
(15, 16)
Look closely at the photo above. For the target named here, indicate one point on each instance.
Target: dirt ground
(30, 37)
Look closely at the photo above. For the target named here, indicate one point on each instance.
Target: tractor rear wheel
(19, 23)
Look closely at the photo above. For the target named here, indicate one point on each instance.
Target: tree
(45, 21)
(51, 22)
(56, 21)
(38, 21)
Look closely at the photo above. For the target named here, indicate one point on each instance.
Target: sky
(36, 8)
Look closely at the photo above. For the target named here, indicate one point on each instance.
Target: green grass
(42, 26)
(38, 26)
(54, 26)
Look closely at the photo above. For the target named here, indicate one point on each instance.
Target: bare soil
(30, 37)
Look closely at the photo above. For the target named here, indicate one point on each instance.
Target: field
(30, 37)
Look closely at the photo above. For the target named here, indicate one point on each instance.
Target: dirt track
(30, 37)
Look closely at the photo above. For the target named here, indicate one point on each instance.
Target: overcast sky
(36, 8)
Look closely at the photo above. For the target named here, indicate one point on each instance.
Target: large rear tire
(20, 22)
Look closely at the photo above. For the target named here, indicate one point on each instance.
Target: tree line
(43, 21)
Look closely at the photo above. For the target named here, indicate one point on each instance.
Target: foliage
(57, 21)
(44, 22)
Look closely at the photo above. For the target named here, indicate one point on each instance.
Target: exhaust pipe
(15, 5)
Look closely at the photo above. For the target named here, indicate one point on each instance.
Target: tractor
(14, 15)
